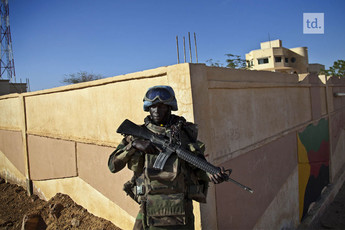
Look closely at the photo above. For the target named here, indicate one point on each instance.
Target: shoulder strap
(191, 130)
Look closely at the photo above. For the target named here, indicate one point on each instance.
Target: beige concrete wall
(337, 130)
(70, 132)
(11, 112)
(11, 145)
(92, 168)
(10, 172)
(90, 112)
(266, 170)
(240, 113)
(284, 218)
(87, 196)
(338, 144)
(245, 109)
(338, 102)
(51, 158)
(247, 119)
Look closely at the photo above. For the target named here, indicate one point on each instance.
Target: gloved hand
(144, 146)
(219, 177)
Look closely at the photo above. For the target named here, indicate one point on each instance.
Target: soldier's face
(160, 113)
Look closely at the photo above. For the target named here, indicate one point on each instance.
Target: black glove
(219, 177)
(144, 146)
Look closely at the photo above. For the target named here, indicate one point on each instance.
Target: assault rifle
(129, 128)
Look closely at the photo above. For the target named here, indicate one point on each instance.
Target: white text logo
(313, 23)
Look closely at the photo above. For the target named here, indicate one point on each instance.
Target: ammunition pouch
(135, 189)
(165, 210)
(128, 188)
(167, 181)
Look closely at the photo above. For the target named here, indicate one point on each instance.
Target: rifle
(129, 128)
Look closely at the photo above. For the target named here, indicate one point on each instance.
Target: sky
(54, 38)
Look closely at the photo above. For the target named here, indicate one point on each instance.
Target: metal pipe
(196, 49)
(184, 48)
(190, 48)
(178, 55)
(339, 94)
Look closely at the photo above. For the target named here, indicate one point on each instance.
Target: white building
(274, 57)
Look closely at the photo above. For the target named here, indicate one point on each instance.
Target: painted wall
(250, 122)
(313, 163)
(257, 123)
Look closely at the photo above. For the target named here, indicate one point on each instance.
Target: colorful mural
(313, 163)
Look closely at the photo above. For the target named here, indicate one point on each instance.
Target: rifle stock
(129, 128)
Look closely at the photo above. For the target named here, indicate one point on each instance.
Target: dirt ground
(60, 212)
(334, 216)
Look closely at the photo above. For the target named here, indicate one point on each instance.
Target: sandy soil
(60, 212)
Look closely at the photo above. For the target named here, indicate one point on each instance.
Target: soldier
(165, 196)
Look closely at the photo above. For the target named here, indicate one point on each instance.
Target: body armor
(165, 195)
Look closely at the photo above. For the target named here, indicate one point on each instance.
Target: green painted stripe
(312, 136)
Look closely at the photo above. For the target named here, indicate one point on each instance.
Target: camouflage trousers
(140, 223)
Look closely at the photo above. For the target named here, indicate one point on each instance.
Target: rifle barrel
(206, 166)
(241, 185)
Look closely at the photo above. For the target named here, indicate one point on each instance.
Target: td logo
(313, 23)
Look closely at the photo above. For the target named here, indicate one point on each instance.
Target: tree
(233, 61)
(79, 77)
(338, 69)
(214, 64)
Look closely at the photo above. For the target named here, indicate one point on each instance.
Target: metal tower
(6, 60)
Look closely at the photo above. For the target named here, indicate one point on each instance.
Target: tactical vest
(167, 194)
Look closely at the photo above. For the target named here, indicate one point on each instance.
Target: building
(7, 87)
(315, 67)
(274, 57)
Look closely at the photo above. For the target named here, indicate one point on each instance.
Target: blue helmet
(160, 94)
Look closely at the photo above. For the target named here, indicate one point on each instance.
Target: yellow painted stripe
(303, 173)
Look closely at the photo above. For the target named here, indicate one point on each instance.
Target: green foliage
(338, 69)
(233, 61)
(81, 76)
(210, 62)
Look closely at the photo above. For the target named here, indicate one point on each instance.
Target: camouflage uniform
(165, 196)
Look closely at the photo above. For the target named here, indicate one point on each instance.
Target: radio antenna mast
(7, 70)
